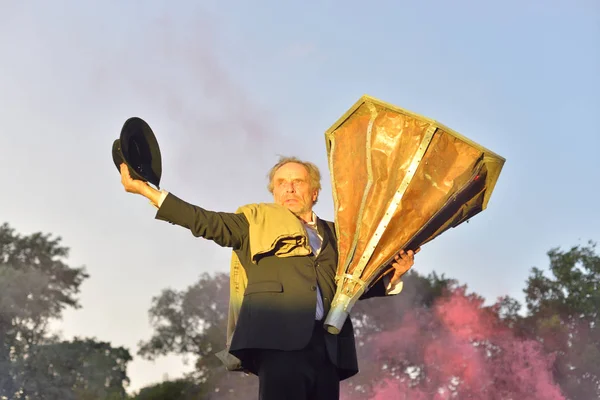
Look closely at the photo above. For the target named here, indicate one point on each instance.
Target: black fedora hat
(138, 148)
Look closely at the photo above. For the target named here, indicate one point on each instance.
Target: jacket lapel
(323, 232)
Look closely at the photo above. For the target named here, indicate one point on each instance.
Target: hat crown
(138, 148)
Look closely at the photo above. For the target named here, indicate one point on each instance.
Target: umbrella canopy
(399, 180)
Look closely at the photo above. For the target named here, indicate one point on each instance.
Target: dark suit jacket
(278, 310)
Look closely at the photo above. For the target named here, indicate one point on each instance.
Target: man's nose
(289, 187)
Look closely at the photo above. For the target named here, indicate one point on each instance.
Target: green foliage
(76, 370)
(380, 314)
(180, 389)
(36, 285)
(35, 282)
(573, 290)
(563, 315)
(191, 322)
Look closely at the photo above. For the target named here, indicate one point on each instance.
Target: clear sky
(227, 86)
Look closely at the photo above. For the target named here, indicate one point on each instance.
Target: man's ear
(315, 195)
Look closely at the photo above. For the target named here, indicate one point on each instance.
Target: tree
(454, 348)
(563, 315)
(180, 389)
(384, 314)
(379, 313)
(36, 285)
(81, 369)
(192, 323)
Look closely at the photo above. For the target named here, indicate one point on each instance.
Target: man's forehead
(291, 170)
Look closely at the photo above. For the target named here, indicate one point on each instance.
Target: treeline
(436, 340)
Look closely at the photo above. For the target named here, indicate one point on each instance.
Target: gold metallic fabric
(399, 180)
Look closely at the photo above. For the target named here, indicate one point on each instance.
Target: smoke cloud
(457, 349)
(175, 71)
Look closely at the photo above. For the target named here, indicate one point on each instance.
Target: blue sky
(229, 85)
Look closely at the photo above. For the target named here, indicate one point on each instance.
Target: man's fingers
(126, 180)
(124, 170)
(406, 256)
(410, 253)
(403, 262)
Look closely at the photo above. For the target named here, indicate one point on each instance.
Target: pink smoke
(459, 349)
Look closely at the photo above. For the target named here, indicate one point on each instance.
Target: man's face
(291, 189)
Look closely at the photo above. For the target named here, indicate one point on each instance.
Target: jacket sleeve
(225, 229)
(378, 290)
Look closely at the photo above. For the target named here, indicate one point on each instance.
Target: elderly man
(288, 259)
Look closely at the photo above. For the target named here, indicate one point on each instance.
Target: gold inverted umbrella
(399, 180)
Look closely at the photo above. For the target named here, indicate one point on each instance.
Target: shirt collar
(313, 222)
